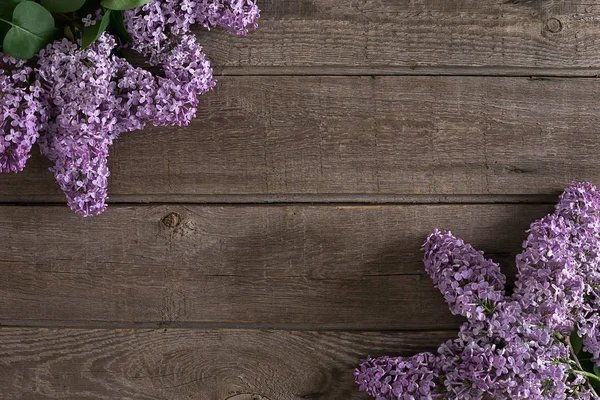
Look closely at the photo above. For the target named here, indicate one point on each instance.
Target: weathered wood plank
(357, 135)
(549, 34)
(314, 267)
(199, 364)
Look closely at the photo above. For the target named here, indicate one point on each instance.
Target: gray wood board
(439, 36)
(193, 364)
(305, 267)
(274, 137)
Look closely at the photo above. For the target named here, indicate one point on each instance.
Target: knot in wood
(554, 25)
(172, 220)
(247, 396)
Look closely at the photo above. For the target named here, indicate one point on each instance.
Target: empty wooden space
(307, 267)
(262, 251)
(192, 363)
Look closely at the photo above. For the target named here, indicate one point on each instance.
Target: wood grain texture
(275, 136)
(410, 125)
(193, 364)
(408, 34)
(314, 267)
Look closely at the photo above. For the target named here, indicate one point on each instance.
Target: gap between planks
(295, 199)
(487, 71)
(91, 324)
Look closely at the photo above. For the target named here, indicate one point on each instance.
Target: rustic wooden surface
(404, 135)
(261, 252)
(317, 267)
(192, 363)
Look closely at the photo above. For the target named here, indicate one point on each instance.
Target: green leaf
(118, 26)
(32, 28)
(576, 342)
(62, 6)
(92, 33)
(123, 4)
(597, 370)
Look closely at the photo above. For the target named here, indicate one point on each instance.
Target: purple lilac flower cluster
(75, 102)
(469, 282)
(83, 126)
(22, 116)
(162, 32)
(511, 347)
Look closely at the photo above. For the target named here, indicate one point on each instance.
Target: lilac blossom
(471, 284)
(22, 116)
(83, 125)
(187, 75)
(161, 30)
(155, 24)
(510, 347)
(401, 378)
(76, 102)
(558, 277)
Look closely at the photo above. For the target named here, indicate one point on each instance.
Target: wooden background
(262, 251)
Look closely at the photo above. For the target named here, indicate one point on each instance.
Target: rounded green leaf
(118, 26)
(123, 4)
(92, 33)
(32, 28)
(62, 6)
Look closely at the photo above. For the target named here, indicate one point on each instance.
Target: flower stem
(580, 370)
(586, 374)
(7, 22)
